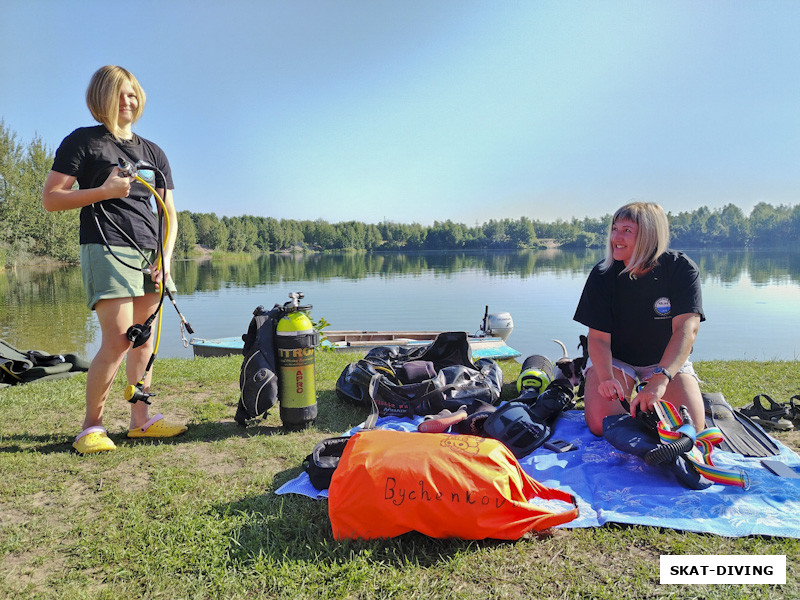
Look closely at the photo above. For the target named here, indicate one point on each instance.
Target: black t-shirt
(89, 154)
(638, 312)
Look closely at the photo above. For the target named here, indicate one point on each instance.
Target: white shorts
(640, 374)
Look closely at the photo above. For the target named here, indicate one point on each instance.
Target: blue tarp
(615, 487)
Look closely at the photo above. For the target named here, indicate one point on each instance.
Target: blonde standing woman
(116, 216)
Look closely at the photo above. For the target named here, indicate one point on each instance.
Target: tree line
(28, 232)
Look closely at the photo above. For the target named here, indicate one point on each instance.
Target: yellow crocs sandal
(93, 439)
(157, 427)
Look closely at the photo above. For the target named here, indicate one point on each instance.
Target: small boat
(362, 341)
(488, 342)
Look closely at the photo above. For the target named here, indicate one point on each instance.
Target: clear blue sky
(423, 110)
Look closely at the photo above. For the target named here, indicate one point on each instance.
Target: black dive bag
(258, 379)
(526, 423)
(405, 381)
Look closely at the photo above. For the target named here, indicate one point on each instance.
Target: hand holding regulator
(653, 419)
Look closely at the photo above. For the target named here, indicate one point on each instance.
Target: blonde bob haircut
(102, 96)
(651, 242)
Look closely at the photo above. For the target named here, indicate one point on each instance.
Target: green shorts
(105, 277)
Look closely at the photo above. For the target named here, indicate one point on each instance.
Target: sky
(429, 110)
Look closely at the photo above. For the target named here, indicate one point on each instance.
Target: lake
(751, 298)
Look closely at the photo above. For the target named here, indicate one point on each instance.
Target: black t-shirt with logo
(638, 312)
(89, 154)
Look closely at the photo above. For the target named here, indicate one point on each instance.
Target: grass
(196, 517)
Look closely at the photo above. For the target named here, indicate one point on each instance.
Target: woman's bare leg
(597, 407)
(114, 315)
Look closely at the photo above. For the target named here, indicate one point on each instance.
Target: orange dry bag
(442, 485)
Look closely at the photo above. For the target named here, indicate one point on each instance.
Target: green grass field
(196, 516)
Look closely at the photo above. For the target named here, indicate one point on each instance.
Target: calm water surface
(751, 299)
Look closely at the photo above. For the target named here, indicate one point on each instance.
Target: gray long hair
(651, 242)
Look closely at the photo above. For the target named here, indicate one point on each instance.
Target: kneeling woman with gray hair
(643, 307)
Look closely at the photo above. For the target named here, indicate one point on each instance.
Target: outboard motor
(497, 324)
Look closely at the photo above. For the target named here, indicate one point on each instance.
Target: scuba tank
(295, 340)
(536, 374)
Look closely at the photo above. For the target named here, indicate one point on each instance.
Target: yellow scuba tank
(536, 374)
(295, 340)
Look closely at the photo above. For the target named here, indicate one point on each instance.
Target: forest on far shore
(29, 234)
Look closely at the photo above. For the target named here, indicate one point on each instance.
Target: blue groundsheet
(615, 487)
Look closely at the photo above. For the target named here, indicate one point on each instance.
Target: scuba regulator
(139, 334)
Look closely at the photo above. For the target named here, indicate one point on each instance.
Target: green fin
(741, 434)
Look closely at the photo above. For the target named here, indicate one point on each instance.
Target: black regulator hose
(684, 444)
(667, 452)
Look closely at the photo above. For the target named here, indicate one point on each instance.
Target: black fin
(742, 435)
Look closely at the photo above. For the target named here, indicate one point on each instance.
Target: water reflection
(762, 267)
(45, 308)
(205, 276)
